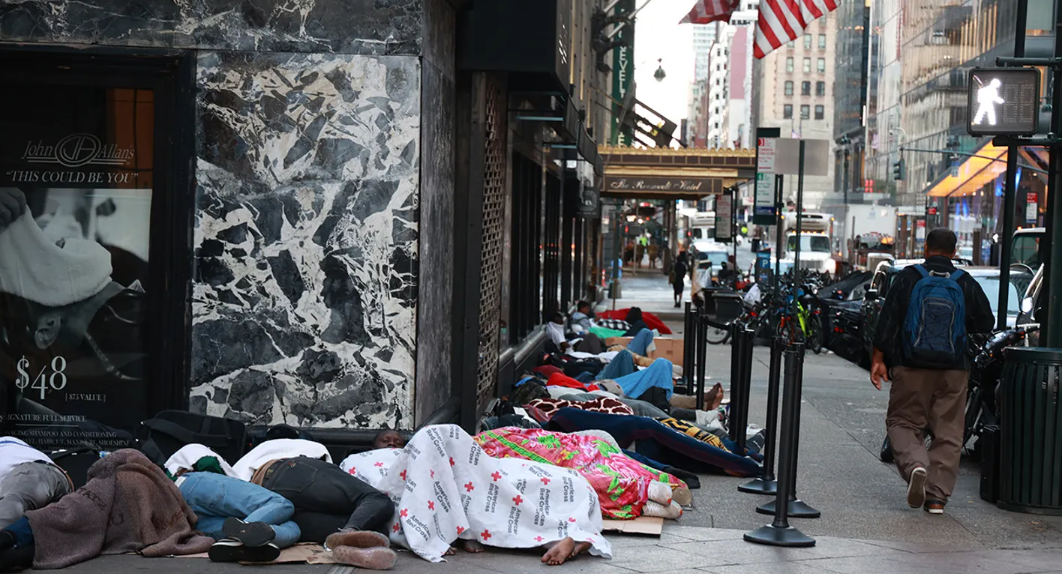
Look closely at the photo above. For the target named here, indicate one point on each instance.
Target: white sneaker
(916, 487)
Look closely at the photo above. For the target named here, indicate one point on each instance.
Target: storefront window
(76, 180)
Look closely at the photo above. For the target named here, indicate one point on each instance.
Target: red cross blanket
(445, 487)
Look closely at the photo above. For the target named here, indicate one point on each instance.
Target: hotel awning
(666, 173)
(972, 174)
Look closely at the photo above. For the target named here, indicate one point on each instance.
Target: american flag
(706, 11)
(782, 21)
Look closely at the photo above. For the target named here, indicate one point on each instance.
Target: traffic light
(899, 170)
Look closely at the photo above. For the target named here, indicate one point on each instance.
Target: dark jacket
(979, 318)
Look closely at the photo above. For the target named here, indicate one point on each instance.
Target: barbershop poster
(75, 205)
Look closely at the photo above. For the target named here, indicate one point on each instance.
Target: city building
(292, 213)
(851, 98)
(794, 92)
(704, 36)
(919, 64)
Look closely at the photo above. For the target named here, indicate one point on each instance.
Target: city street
(866, 525)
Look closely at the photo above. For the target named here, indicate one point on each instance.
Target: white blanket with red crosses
(444, 488)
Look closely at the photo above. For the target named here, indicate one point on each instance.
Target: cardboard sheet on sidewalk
(304, 553)
(644, 525)
(667, 348)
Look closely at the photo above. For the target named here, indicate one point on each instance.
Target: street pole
(616, 253)
(779, 237)
(735, 238)
(798, 235)
(1049, 299)
(1008, 203)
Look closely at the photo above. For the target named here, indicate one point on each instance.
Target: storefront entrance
(95, 208)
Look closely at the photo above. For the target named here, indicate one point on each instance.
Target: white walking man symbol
(987, 96)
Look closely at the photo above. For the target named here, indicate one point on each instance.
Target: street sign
(723, 225)
(1032, 207)
(765, 182)
(921, 229)
(1003, 101)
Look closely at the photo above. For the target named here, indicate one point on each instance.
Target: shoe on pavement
(369, 558)
(935, 507)
(253, 534)
(917, 479)
(229, 550)
(356, 539)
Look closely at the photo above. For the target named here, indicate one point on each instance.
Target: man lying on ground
(250, 523)
(446, 490)
(332, 507)
(128, 505)
(28, 480)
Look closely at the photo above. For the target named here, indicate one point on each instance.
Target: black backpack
(162, 436)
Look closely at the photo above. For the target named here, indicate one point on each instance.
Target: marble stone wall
(324, 26)
(305, 287)
(324, 179)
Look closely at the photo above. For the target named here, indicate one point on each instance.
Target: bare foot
(713, 397)
(450, 551)
(472, 546)
(563, 550)
(559, 551)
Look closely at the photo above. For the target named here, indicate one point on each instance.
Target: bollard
(780, 532)
(689, 336)
(795, 507)
(766, 483)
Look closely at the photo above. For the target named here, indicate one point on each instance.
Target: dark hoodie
(635, 322)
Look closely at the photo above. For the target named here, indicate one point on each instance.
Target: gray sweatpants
(29, 486)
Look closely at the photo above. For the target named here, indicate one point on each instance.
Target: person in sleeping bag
(446, 491)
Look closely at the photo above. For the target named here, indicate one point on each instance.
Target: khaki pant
(928, 399)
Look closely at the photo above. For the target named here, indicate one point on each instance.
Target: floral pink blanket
(623, 485)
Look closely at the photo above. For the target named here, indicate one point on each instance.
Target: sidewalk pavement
(680, 550)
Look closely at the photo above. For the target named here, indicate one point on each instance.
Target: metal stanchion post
(689, 336)
(744, 338)
(734, 391)
(795, 507)
(701, 341)
(780, 532)
(766, 483)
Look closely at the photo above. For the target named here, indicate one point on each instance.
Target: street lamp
(659, 74)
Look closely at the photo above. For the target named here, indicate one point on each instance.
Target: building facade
(795, 93)
(284, 215)
(920, 56)
(851, 98)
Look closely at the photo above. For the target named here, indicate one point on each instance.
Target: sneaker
(935, 507)
(916, 486)
(230, 550)
(252, 534)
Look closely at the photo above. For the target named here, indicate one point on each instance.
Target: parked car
(989, 278)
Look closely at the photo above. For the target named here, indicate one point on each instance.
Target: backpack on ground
(162, 436)
(934, 333)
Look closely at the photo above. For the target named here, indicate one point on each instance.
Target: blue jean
(215, 497)
(621, 365)
(641, 341)
(658, 374)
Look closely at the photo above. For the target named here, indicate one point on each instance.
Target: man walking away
(921, 337)
(678, 275)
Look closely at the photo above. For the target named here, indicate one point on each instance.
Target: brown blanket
(128, 505)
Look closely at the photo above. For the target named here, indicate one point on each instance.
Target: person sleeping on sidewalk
(446, 491)
(332, 507)
(249, 523)
(127, 505)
